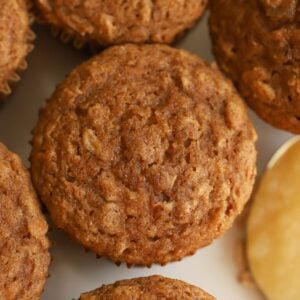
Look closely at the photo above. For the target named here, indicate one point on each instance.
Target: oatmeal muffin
(24, 256)
(146, 288)
(107, 22)
(260, 52)
(15, 41)
(144, 154)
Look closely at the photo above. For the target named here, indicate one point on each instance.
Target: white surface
(73, 270)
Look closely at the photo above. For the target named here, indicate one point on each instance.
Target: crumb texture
(148, 288)
(113, 22)
(24, 256)
(144, 154)
(14, 41)
(261, 55)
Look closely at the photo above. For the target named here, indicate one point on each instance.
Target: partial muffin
(24, 256)
(146, 288)
(144, 154)
(15, 41)
(260, 52)
(107, 22)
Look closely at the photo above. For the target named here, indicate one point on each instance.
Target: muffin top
(261, 55)
(24, 256)
(114, 22)
(144, 154)
(146, 288)
(15, 37)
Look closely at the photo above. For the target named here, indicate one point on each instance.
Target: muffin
(260, 52)
(144, 154)
(153, 287)
(15, 41)
(24, 256)
(107, 22)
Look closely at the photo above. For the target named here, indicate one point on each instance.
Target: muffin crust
(261, 55)
(24, 256)
(146, 288)
(144, 154)
(107, 22)
(15, 41)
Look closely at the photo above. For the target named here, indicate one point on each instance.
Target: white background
(74, 271)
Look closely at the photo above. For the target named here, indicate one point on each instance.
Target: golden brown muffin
(107, 22)
(15, 41)
(148, 288)
(24, 256)
(144, 154)
(257, 44)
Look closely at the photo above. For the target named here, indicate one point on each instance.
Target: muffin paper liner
(66, 36)
(69, 37)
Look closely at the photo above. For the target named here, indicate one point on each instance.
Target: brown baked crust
(24, 256)
(15, 41)
(257, 44)
(107, 22)
(144, 154)
(146, 288)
